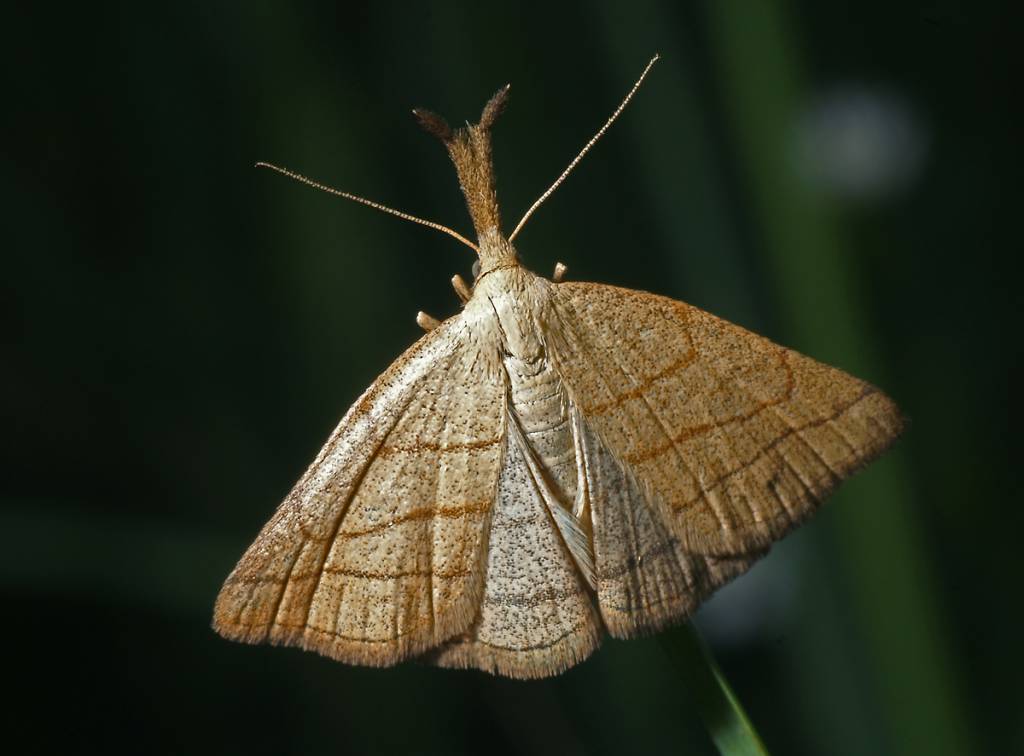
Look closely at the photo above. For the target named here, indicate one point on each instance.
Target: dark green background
(181, 332)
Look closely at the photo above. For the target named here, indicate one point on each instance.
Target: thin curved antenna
(375, 205)
(585, 149)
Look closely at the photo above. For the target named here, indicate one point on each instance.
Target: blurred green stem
(717, 704)
(895, 608)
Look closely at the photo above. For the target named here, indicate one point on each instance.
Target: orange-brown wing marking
(734, 437)
(378, 551)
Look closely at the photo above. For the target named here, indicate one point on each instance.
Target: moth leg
(460, 288)
(560, 269)
(427, 322)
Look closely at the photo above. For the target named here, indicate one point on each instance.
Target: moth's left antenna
(585, 150)
(369, 203)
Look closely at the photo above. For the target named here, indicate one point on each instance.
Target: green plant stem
(911, 675)
(728, 724)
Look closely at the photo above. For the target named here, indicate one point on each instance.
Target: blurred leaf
(719, 708)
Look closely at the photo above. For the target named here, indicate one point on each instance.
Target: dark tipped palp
(494, 107)
(434, 124)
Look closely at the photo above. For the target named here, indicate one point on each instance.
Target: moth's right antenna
(585, 149)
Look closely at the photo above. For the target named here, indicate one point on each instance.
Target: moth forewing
(736, 438)
(361, 562)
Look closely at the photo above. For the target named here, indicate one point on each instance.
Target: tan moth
(555, 462)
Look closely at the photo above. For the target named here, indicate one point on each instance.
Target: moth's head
(495, 252)
(470, 150)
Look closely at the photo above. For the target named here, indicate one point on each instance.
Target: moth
(556, 462)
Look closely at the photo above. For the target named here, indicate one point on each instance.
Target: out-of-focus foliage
(181, 332)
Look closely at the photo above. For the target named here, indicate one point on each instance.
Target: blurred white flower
(861, 144)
